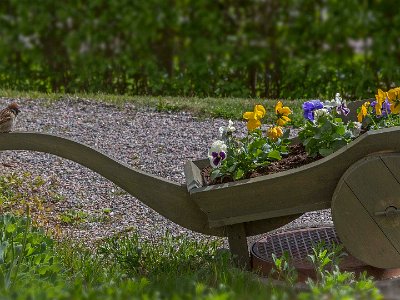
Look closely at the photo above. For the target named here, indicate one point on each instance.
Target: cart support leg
(237, 240)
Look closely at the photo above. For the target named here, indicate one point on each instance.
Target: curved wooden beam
(166, 197)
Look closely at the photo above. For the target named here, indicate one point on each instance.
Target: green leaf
(338, 120)
(239, 174)
(336, 145)
(325, 152)
(275, 155)
(215, 173)
(11, 227)
(341, 130)
(306, 141)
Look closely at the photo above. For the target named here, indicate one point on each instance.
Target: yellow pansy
(380, 98)
(363, 111)
(394, 100)
(253, 117)
(282, 113)
(274, 132)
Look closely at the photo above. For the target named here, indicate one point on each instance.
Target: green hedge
(263, 48)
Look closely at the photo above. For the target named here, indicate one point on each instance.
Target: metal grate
(298, 243)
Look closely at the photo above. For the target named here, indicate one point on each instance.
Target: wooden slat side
(265, 225)
(273, 213)
(202, 163)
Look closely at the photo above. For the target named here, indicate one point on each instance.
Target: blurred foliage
(258, 48)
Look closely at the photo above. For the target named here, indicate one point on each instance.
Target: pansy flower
(394, 100)
(381, 97)
(274, 132)
(309, 107)
(217, 153)
(384, 109)
(338, 104)
(341, 106)
(320, 113)
(363, 111)
(253, 117)
(282, 113)
(228, 130)
(355, 128)
(342, 109)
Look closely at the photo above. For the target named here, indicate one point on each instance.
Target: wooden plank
(166, 197)
(237, 240)
(359, 232)
(266, 225)
(202, 163)
(272, 214)
(392, 162)
(377, 192)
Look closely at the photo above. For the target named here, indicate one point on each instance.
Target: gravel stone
(159, 143)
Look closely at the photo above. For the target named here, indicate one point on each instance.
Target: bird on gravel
(8, 116)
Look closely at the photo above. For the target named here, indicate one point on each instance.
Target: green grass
(35, 266)
(228, 108)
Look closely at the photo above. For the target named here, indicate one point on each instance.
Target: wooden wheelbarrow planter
(360, 182)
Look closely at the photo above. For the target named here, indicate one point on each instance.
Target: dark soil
(297, 157)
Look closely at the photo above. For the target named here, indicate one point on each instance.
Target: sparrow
(8, 116)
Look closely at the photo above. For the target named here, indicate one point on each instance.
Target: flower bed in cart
(263, 152)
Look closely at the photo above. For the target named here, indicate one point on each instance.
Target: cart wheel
(366, 210)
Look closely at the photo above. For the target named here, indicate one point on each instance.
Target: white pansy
(320, 112)
(338, 99)
(329, 104)
(223, 131)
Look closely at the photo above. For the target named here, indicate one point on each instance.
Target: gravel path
(158, 143)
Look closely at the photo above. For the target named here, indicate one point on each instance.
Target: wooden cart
(360, 182)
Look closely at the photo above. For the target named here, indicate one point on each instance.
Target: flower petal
(253, 124)
(395, 108)
(259, 111)
(380, 98)
(222, 155)
(282, 120)
(248, 115)
(285, 111)
(278, 106)
(216, 161)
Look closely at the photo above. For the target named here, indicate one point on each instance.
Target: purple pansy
(309, 107)
(385, 108)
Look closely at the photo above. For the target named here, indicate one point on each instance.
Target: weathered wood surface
(166, 197)
(237, 239)
(296, 191)
(364, 210)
